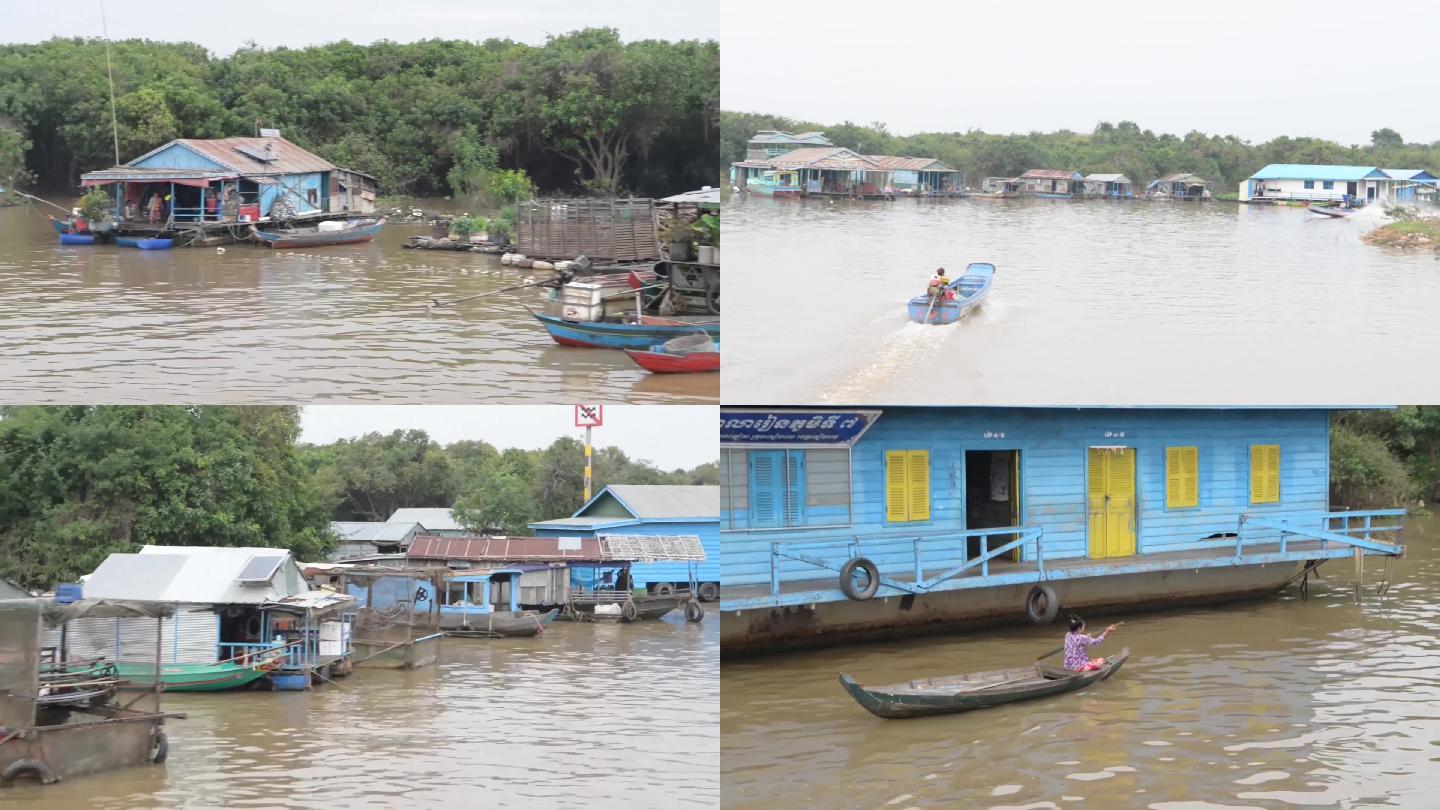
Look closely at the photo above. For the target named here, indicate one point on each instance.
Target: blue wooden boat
(61, 226)
(614, 335)
(970, 289)
(777, 183)
(77, 239)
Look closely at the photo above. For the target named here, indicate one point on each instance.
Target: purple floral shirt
(1077, 649)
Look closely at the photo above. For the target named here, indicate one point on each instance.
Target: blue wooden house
(192, 177)
(634, 509)
(838, 525)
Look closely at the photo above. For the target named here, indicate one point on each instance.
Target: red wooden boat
(690, 353)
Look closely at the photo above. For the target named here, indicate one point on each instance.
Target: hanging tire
(628, 611)
(847, 579)
(709, 591)
(253, 626)
(161, 750)
(663, 589)
(1041, 604)
(27, 768)
(693, 611)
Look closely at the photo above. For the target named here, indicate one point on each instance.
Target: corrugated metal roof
(1051, 174)
(704, 196)
(1313, 171)
(372, 531)
(9, 590)
(609, 548)
(314, 600)
(1183, 177)
(837, 157)
(897, 163)
(662, 502)
(436, 520)
(191, 575)
(1107, 178)
(502, 549)
(140, 174)
(1410, 174)
(288, 158)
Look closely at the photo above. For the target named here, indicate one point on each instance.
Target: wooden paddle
(435, 302)
(1061, 648)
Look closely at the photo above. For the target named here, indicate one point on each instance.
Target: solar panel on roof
(259, 570)
(255, 154)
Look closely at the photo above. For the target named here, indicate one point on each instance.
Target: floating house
(194, 177)
(840, 525)
(1052, 183)
(1112, 186)
(1002, 186)
(241, 614)
(1183, 186)
(920, 176)
(766, 145)
(439, 522)
(1287, 182)
(368, 538)
(1410, 185)
(634, 509)
(834, 171)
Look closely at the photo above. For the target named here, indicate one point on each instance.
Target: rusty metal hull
(52, 753)
(764, 630)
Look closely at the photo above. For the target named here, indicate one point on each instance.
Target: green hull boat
(191, 677)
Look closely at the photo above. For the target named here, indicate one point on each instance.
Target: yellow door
(1111, 501)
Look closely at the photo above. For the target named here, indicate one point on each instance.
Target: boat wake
(911, 347)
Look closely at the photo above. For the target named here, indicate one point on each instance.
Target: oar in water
(929, 309)
(435, 302)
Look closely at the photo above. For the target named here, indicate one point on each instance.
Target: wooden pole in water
(1359, 572)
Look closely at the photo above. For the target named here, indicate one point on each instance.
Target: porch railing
(1327, 527)
(949, 545)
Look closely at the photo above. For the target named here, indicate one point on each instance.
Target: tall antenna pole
(114, 123)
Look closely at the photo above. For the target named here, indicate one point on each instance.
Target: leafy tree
(370, 477)
(1386, 137)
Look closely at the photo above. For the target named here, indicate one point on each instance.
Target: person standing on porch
(154, 207)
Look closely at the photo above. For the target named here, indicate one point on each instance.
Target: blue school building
(636, 509)
(846, 524)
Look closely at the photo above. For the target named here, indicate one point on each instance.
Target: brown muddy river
(1094, 302)
(110, 324)
(597, 715)
(1278, 703)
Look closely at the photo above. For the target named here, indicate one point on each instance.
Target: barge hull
(765, 630)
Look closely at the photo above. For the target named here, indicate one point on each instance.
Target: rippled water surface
(1278, 703)
(588, 715)
(1094, 302)
(252, 324)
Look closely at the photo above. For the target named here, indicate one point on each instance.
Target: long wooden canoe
(979, 690)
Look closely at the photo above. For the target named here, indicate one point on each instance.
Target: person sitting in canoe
(937, 288)
(1077, 646)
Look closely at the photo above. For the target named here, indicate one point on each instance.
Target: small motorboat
(968, 291)
(691, 353)
(1331, 210)
(503, 624)
(326, 233)
(979, 690)
(621, 334)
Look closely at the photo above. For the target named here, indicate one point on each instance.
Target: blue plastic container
(288, 682)
(67, 592)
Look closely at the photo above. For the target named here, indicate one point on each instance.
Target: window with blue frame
(777, 489)
(1328, 184)
(1309, 184)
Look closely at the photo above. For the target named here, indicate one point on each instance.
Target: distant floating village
(807, 164)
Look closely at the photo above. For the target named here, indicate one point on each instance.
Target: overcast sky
(272, 23)
(671, 436)
(1253, 69)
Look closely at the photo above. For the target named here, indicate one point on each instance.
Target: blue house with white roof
(652, 510)
(1303, 182)
(856, 523)
(1412, 184)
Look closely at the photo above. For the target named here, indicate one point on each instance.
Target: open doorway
(992, 496)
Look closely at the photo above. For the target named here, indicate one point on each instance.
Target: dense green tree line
(1385, 458)
(1139, 154)
(80, 483)
(584, 111)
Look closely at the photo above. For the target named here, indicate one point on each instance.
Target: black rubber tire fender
(628, 611)
(693, 611)
(847, 578)
(161, 750)
(22, 768)
(709, 591)
(1033, 602)
(662, 589)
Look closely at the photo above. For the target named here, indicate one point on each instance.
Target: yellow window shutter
(1265, 473)
(897, 510)
(1272, 482)
(1192, 476)
(1174, 480)
(919, 475)
(1095, 468)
